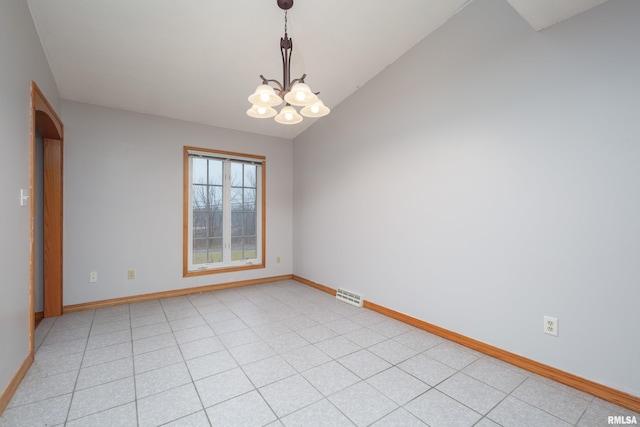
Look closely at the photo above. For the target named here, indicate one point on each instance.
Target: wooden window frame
(186, 271)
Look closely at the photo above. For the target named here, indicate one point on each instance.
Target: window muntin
(224, 211)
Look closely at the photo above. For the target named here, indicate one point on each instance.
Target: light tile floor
(275, 354)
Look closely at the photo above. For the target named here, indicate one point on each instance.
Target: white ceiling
(199, 60)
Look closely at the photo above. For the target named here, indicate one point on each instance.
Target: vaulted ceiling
(199, 60)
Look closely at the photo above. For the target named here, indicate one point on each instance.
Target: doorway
(46, 123)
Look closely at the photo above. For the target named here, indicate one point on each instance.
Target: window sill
(204, 272)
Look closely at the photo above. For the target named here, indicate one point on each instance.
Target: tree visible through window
(224, 211)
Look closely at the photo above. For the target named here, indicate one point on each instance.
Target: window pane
(199, 244)
(250, 248)
(199, 196)
(236, 224)
(249, 224)
(236, 199)
(215, 250)
(199, 171)
(215, 172)
(215, 198)
(199, 251)
(199, 232)
(215, 224)
(250, 176)
(236, 174)
(249, 199)
(200, 218)
(236, 249)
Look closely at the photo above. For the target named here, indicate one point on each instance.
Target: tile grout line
(73, 392)
(184, 360)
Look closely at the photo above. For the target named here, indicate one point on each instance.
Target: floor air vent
(349, 297)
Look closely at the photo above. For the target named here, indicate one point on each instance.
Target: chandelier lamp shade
(293, 93)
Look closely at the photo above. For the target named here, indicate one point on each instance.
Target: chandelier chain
(285, 21)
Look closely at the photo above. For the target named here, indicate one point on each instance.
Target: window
(223, 211)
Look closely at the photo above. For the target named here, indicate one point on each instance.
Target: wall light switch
(24, 197)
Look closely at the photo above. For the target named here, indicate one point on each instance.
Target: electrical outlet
(131, 274)
(277, 260)
(93, 277)
(551, 325)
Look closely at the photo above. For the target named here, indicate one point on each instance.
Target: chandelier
(292, 92)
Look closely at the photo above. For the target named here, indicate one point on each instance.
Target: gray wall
(21, 61)
(123, 201)
(487, 178)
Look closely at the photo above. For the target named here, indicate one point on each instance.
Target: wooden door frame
(47, 122)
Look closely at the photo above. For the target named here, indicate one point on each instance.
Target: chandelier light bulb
(261, 112)
(300, 95)
(317, 109)
(288, 116)
(265, 96)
